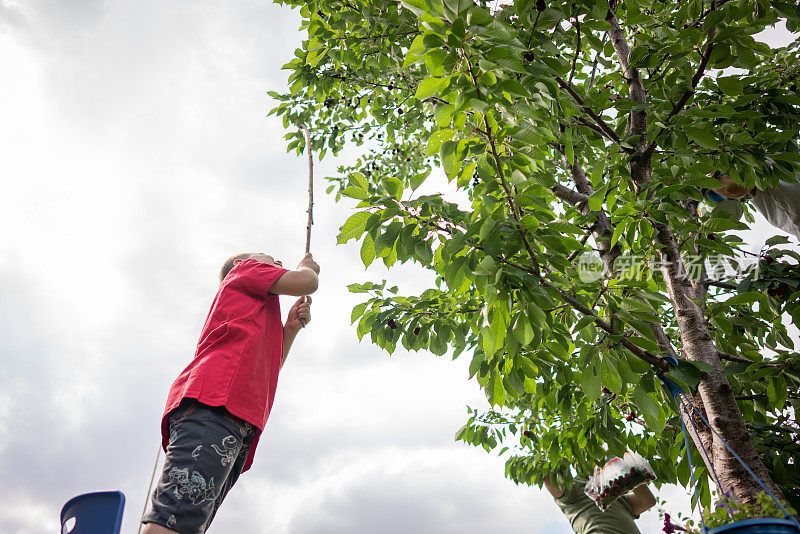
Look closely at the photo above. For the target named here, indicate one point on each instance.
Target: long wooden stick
(310, 187)
(307, 135)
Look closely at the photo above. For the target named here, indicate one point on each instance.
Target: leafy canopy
(565, 144)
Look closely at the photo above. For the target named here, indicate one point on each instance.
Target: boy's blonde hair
(228, 265)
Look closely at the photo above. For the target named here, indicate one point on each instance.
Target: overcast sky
(136, 156)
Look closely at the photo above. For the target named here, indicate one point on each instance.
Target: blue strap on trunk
(681, 401)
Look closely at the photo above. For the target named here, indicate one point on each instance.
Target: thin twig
(742, 359)
(577, 49)
(607, 130)
(596, 59)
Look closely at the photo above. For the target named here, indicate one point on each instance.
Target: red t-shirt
(240, 351)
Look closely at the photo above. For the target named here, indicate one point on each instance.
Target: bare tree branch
(568, 195)
(635, 85)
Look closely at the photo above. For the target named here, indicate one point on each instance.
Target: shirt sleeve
(781, 206)
(255, 277)
(573, 491)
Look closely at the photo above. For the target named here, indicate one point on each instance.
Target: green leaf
(429, 87)
(523, 331)
(730, 85)
(582, 323)
(719, 224)
(528, 368)
(353, 227)
(590, 383)
(358, 311)
(486, 228)
(497, 390)
(609, 375)
(704, 138)
(418, 7)
(444, 116)
(493, 337)
(645, 403)
(458, 6)
(618, 231)
(450, 162)
(475, 364)
(749, 297)
(536, 316)
(776, 240)
(487, 266)
(359, 180)
(596, 199)
(568, 148)
(367, 250)
(416, 51)
(434, 62)
(478, 16)
(437, 138)
(776, 392)
(438, 345)
(655, 423)
(355, 192)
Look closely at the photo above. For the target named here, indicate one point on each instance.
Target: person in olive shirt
(586, 518)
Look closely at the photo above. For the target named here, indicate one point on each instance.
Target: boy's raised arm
(300, 282)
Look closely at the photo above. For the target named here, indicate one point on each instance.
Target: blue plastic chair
(94, 513)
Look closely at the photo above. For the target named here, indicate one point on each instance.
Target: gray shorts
(207, 450)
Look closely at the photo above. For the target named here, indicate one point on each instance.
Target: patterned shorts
(207, 450)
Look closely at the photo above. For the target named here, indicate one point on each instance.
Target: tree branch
(577, 49)
(504, 184)
(648, 357)
(569, 195)
(635, 85)
(596, 60)
(698, 75)
(607, 131)
(584, 122)
(742, 359)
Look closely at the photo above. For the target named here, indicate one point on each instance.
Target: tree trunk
(714, 391)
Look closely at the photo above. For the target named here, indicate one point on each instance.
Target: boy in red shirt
(218, 405)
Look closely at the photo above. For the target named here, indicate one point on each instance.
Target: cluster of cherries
(391, 323)
(622, 485)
